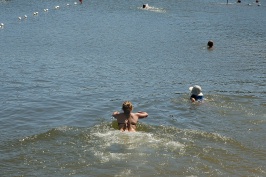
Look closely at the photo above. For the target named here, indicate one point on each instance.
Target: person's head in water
(196, 93)
(145, 6)
(127, 107)
(210, 44)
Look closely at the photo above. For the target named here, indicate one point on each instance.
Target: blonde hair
(127, 107)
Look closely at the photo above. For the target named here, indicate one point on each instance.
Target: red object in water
(80, 1)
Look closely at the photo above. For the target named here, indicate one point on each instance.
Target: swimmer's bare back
(128, 122)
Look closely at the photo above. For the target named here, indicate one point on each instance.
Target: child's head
(196, 90)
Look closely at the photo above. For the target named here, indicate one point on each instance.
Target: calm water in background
(65, 71)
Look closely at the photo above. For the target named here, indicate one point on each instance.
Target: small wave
(102, 145)
(227, 3)
(44, 136)
(197, 134)
(104, 136)
(226, 104)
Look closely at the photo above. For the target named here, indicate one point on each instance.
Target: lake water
(65, 71)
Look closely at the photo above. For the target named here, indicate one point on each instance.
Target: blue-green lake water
(64, 71)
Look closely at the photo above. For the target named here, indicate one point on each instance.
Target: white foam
(133, 141)
(153, 9)
(125, 172)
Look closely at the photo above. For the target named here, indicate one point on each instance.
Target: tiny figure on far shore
(196, 93)
(127, 121)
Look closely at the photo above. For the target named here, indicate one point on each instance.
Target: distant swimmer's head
(127, 107)
(210, 44)
(238, 1)
(145, 6)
